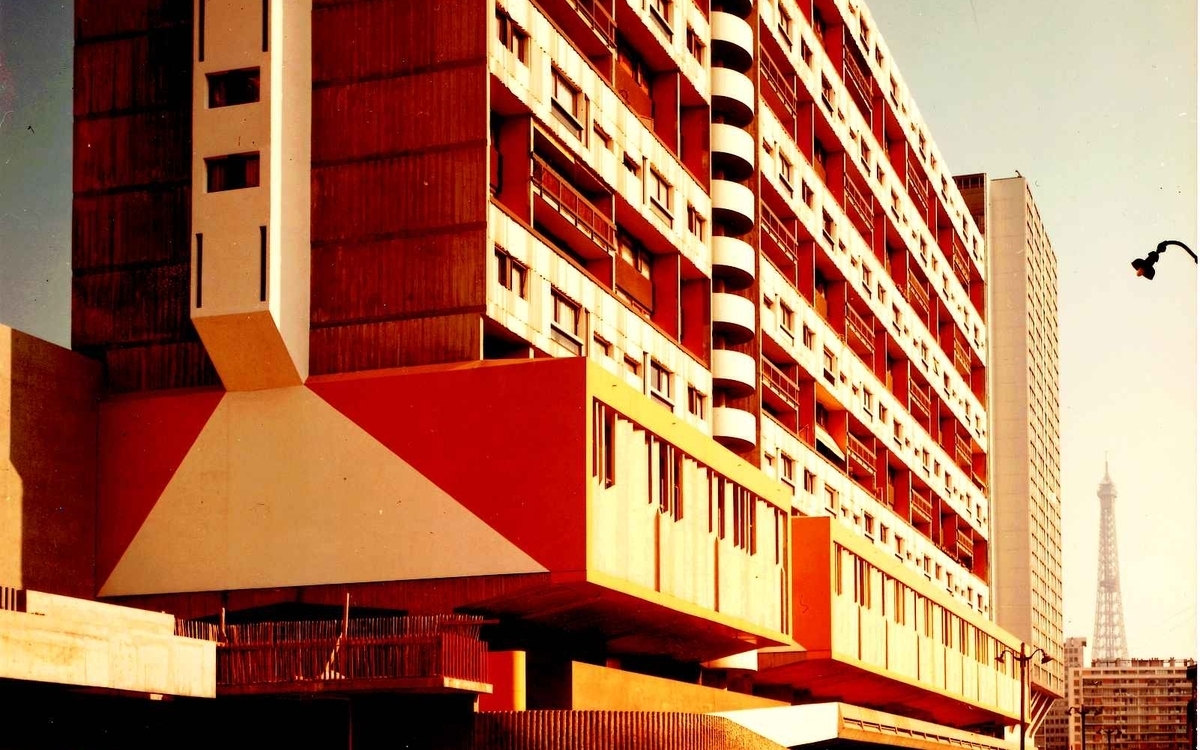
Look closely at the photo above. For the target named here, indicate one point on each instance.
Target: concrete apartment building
(1023, 403)
(1058, 726)
(493, 363)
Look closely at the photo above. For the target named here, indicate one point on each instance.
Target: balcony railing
(861, 455)
(958, 260)
(860, 331)
(966, 547)
(858, 84)
(12, 599)
(962, 454)
(781, 384)
(919, 398)
(597, 16)
(921, 506)
(962, 358)
(361, 654)
(857, 205)
(782, 86)
(778, 233)
(571, 204)
(917, 296)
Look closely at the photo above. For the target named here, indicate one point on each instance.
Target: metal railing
(858, 327)
(572, 204)
(778, 232)
(857, 204)
(377, 648)
(965, 543)
(598, 17)
(857, 83)
(916, 186)
(783, 86)
(860, 452)
(917, 296)
(921, 505)
(962, 358)
(783, 386)
(962, 454)
(919, 398)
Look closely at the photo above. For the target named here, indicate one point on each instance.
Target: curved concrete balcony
(734, 428)
(734, 261)
(734, 371)
(732, 41)
(732, 151)
(733, 205)
(733, 316)
(733, 95)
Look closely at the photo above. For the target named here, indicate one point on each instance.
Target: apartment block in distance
(1026, 484)
(555, 374)
(1058, 725)
(1145, 703)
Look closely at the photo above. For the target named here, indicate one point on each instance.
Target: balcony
(860, 333)
(922, 507)
(858, 206)
(962, 358)
(577, 211)
(916, 187)
(428, 654)
(733, 151)
(734, 261)
(958, 260)
(779, 240)
(733, 205)
(965, 545)
(918, 297)
(781, 392)
(733, 371)
(919, 400)
(861, 459)
(780, 91)
(733, 95)
(734, 428)
(858, 84)
(962, 454)
(733, 317)
(732, 41)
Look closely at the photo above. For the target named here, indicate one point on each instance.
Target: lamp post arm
(1162, 246)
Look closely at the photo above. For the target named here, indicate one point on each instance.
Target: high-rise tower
(1110, 616)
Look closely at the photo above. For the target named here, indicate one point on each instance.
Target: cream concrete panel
(89, 644)
(629, 334)
(734, 423)
(281, 489)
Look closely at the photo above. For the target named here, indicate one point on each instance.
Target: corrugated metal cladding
(132, 175)
(601, 730)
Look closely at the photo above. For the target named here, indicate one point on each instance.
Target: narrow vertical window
(266, 23)
(262, 264)
(199, 267)
(200, 33)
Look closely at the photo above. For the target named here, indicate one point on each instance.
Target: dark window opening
(233, 172)
(233, 87)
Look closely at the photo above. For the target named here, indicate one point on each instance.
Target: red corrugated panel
(95, 18)
(140, 72)
(396, 343)
(133, 150)
(413, 193)
(390, 37)
(386, 116)
(146, 226)
(182, 364)
(135, 305)
(396, 277)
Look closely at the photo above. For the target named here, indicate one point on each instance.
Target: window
(696, 401)
(785, 172)
(567, 103)
(787, 319)
(602, 136)
(661, 10)
(511, 273)
(696, 222)
(233, 172)
(660, 382)
(829, 362)
(785, 24)
(787, 469)
(745, 525)
(669, 486)
(604, 453)
(233, 87)
(807, 194)
(869, 524)
(633, 366)
(631, 165)
(806, 53)
(695, 45)
(808, 337)
(514, 39)
(831, 498)
(634, 254)
(660, 193)
(566, 326)
(601, 345)
(868, 402)
(810, 482)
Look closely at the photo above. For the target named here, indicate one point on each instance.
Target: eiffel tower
(1109, 640)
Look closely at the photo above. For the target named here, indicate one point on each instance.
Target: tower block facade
(633, 353)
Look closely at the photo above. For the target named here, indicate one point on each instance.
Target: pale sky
(1094, 101)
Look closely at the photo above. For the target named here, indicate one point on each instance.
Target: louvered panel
(396, 343)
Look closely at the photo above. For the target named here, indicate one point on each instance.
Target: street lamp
(1110, 731)
(1084, 712)
(1145, 266)
(1023, 660)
